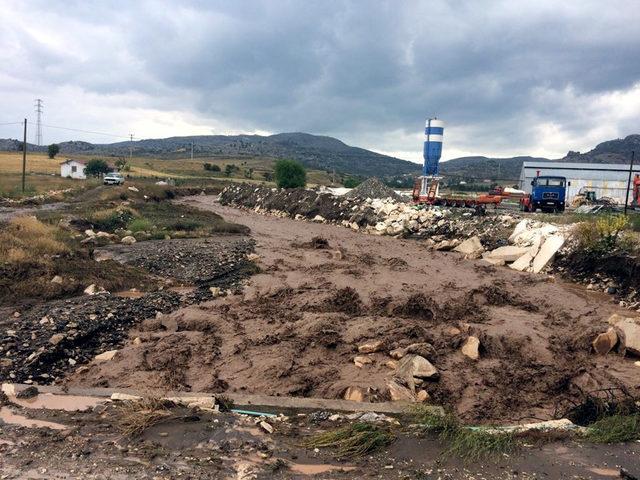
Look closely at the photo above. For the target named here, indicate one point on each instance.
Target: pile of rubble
(373, 188)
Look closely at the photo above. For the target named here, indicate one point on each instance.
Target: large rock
(471, 247)
(508, 253)
(399, 391)
(605, 342)
(547, 252)
(355, 394)
(371, 347)
(416, 366)
(128, 240)
(105, 356)
(471, 348)
(630, 328)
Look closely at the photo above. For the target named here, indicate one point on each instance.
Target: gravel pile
(373, 188)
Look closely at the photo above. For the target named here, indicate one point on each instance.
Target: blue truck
(547, 194)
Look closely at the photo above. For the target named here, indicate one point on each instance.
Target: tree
(121, 164)
(230, 168)
(96, 167)
(53, 150)
(210, 167)
(351, 182)
(290, 174)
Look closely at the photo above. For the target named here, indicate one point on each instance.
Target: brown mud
(296, 327)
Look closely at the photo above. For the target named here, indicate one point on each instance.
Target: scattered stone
(28, 392)
(57, 279)
(215, 291)
(362, 360)
(16, 314)
(128, 240)
(133, 189)
(422, 349)
(253, 257)
(471, 348)
(267, 427)
(318, 219)
(90, 233)
(93, 289)
(371, 347)
(416, 366)
(605, 342)
(105, 356)
(398, 353)
(471, 247)
(630, 328)
(392, 364)
(137, 341)
(56, 338)
(496, 262)
(355, 394)
(399, 391)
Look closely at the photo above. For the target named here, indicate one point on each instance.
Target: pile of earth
(373, 188)
(375, 216)
(220, 261)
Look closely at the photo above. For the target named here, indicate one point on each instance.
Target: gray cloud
(507, 77)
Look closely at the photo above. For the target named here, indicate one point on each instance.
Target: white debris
(547, 252)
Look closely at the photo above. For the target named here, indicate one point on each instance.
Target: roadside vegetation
(290, 174)
(353, 440)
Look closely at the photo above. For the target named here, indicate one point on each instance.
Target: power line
(38, 106)
(84, 131)
(10, 123)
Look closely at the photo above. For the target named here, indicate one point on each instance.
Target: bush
(290, 174)
(96, 167)
(52, 150)
(110, 220)
(351, 182)
(603, 234)
(210, 167)
(140, 225)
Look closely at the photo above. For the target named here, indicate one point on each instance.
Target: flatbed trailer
(481, 201)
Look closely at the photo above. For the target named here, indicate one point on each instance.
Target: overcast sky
(508, 77)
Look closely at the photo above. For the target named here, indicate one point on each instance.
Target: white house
(72, 169)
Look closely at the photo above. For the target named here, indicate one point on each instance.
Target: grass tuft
(136, 416)
(26, 239)
(615, 429)
(353, 440)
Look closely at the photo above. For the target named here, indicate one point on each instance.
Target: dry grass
(26, 239)
(136, 416)
(353, 440)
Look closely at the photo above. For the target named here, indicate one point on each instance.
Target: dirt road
(324, 290)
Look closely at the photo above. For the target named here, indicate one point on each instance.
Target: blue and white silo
(433, 134)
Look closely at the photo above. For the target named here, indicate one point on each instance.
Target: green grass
(615, 429)
(461, 441)
(353, 440)
(140, 225)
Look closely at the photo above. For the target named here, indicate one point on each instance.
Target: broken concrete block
(417, 366)
(267, 427)
(522, 263)
(605, 342)
(371, 347)
(508, 253)
(105, 356)
(496, 262)
(520, 228)
(399, 392)
(630, 328)
(547, 252)
(471, 348)
(355, 394)
(471, 247)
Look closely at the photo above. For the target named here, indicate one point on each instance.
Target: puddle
(7, 416)
(605, 472)
(317, 468)
(69, 403)
(129, 294)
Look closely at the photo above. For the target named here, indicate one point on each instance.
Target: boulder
(445, 245)
(605, 342)
(128, 240)
(362, 360)
(399, 391)
(92, 289)
(471, 247)
(416, 366)
(105, 356)
(508, 253)
(547, 252)
(371, 347)
(422, 396)
(398, 353)
(630, 328)
(355, 394)
(471, 348)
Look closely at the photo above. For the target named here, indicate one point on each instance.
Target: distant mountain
(479, 168)
(314, 151)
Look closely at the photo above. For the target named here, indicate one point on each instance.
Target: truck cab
(547, 194)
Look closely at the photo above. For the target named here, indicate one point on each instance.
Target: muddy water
(69, 403)
(8, 416)
(315, 469)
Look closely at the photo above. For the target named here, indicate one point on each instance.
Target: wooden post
(626, 198)
(24, 154)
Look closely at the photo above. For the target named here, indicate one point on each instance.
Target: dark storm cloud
(355, 69)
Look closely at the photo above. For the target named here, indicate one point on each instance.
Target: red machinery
(494, 197)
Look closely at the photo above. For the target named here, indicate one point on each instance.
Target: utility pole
(24, 154)
(130, 147)
(39, 106)
(626, 198)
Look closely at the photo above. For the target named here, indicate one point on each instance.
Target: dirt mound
(373, 188)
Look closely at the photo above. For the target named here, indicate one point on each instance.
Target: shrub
(603, 234)
(111, 220)
(290, 174)
(140, 225)
(96, 167)
(27, 239)
(210, 167)
(351, 182)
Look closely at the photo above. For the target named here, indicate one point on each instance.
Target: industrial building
(607, 180)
